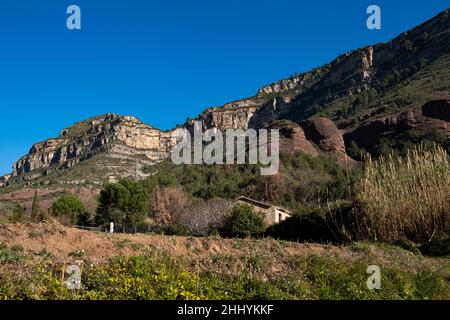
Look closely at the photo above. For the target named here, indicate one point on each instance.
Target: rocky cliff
(121, 138)
(432, 116)
(346, 95)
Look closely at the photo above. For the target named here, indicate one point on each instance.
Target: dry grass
(405, 197)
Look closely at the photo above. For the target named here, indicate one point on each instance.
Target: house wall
(272, 214)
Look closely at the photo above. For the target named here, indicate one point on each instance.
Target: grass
(13, 254)
(405, 198)
(156, 275)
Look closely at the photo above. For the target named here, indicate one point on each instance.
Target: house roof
(260, 204)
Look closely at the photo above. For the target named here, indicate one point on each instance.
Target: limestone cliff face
(119, 141)
(235, 115)
(359, 62)
(122, 136)
(298, 81)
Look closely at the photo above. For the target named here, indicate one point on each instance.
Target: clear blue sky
(163, 60)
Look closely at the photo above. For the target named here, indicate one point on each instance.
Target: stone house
(273, 214)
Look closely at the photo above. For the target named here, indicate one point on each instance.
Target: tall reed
(405, 197)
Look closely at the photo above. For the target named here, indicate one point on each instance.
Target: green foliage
(18, 214)
(400, 144)
(13, 254)
(125, 203)
(307, 226)
(155, 276)
(407, 245)
(68, 205)
(302, 179)
(85, 219)
(176, 230)
(244, 222)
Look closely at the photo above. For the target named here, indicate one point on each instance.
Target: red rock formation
(324, 133)
(293, 140)
(434, 115)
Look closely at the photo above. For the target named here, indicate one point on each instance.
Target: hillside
(393, 90)
(373, 81)
(33, 258)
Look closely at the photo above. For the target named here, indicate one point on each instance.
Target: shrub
(407, 245)
(10, 255)
(85, 219)
(309, 226)
(203, 217)
(244, 222)
(401, 143)
(18, 214)
(68, 206)
(405, 198)
(437, 247)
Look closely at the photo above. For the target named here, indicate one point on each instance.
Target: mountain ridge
(354, 89)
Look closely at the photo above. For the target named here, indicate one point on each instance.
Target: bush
(401, 143)
(311, 226)
(405, 198)
(437, 247)
(18, 214)
(203, 217)
(68, 206)
(244, 222)
(407, 245)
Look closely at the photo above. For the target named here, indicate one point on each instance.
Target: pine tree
(35, 209)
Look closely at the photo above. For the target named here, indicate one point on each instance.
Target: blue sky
(164, 61)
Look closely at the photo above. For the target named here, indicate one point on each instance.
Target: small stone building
(272, 213)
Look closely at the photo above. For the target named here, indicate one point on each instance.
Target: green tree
(68, 206)
(244, 222)
(125, 203)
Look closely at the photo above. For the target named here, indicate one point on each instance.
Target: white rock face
(124, 136)
(286, 84)
(122, 139)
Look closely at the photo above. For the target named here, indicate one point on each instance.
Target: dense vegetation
(400, 144)
(405, 197)
(157, 275)
(400, 197)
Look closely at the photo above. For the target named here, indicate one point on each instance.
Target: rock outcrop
(116, 142)
(324, 133)
(4, 180)
(293, 139)
(121, 137)
(235, 115)
(434, 115)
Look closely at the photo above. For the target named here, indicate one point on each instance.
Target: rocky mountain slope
(361, 96)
